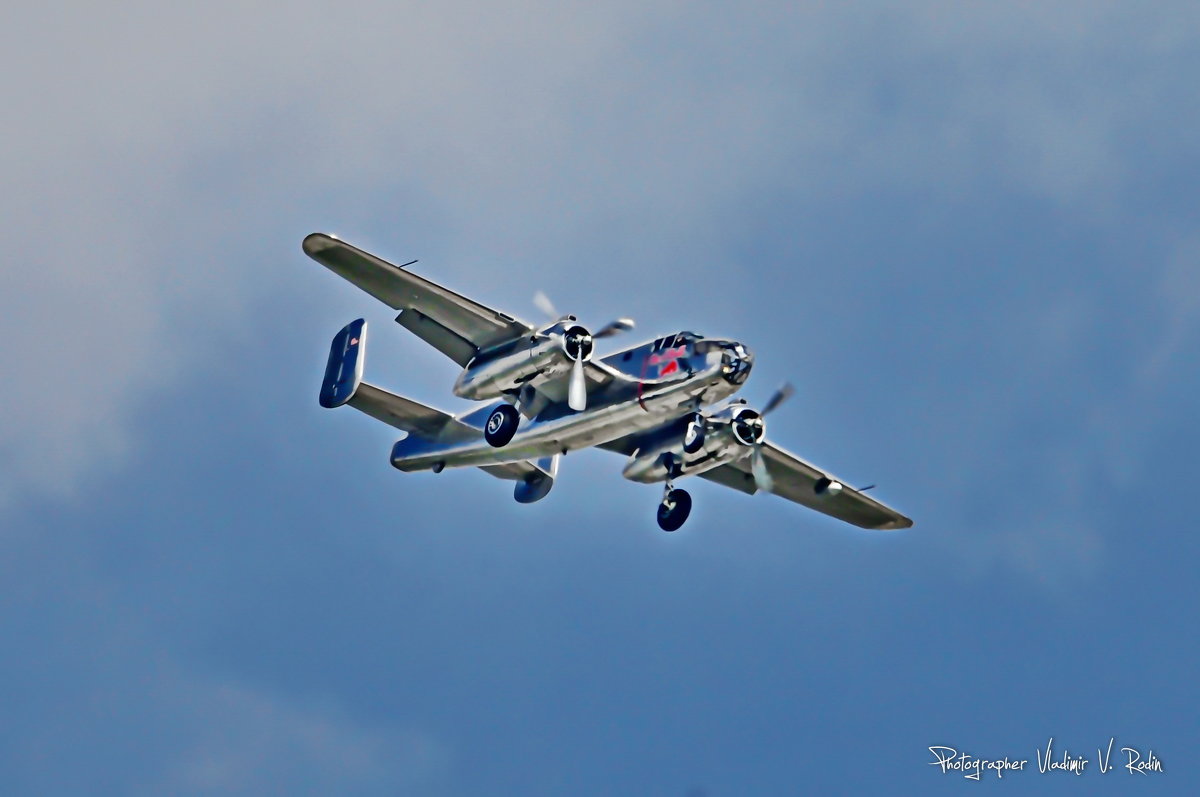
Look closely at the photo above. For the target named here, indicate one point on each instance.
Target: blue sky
(966, 233)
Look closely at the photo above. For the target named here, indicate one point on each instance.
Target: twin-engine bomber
(665, 404)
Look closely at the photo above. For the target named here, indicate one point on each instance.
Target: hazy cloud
(237, 741)
(150, 142)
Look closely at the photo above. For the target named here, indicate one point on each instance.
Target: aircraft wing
(453, 324)
(794, 479)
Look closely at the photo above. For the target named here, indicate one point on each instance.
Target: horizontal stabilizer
(411, 416)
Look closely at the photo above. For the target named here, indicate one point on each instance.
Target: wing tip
(317, 242)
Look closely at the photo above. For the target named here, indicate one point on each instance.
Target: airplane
(665, 404)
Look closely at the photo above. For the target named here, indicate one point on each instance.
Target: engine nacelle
(529, 360)
(729, 435)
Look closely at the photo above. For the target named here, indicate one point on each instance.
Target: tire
(675, 510)
(501, 425)
(693, 436)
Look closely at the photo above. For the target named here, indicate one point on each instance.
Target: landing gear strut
(676, 504)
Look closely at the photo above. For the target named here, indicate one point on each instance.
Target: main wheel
(501, 425)
(674, 510)
(693, 438)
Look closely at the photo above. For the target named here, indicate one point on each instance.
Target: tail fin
(344, 371)
(343, 384)
(427, 427)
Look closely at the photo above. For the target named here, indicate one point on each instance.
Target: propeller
(614, 327)
(758, 466)
(756, 433)
(577, 388)
(577, 343)
(542, 302)
(781, 395)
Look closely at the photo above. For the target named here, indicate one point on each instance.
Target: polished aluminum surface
(626, 406)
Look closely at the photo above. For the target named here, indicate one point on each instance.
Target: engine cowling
(747, 426)
(578, 343)
(529, 360)
(728, 435)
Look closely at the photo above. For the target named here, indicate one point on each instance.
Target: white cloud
(533, 127)
(1177, 292)
(235, 740)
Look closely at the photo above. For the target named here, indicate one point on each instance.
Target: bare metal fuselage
(633, 401)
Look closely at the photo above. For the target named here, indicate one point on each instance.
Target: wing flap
(442, 338)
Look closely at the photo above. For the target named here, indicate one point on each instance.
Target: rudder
(344, 371)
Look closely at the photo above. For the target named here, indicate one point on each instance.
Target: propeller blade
(612, 328)
(758, 466)
(577, 390)
(542, 302)
(781, 395)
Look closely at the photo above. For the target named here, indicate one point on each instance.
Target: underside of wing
(796, 480)
(555, 389)
(453, 324)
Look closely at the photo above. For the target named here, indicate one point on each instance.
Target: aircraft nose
(738, 362)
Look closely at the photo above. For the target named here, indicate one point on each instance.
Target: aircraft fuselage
(649, 385)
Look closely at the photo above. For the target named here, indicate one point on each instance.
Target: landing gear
(693, 437)
(674, 509)
(676, 504)
(501, 425)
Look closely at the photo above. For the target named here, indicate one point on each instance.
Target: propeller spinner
(578, 343)
(750, 429)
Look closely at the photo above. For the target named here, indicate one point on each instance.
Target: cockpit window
(678, 339)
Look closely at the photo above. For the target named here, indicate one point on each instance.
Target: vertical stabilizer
(343, 373)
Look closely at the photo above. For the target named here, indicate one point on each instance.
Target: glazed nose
(738, 362)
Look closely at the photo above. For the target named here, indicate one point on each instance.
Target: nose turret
(736, 362)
